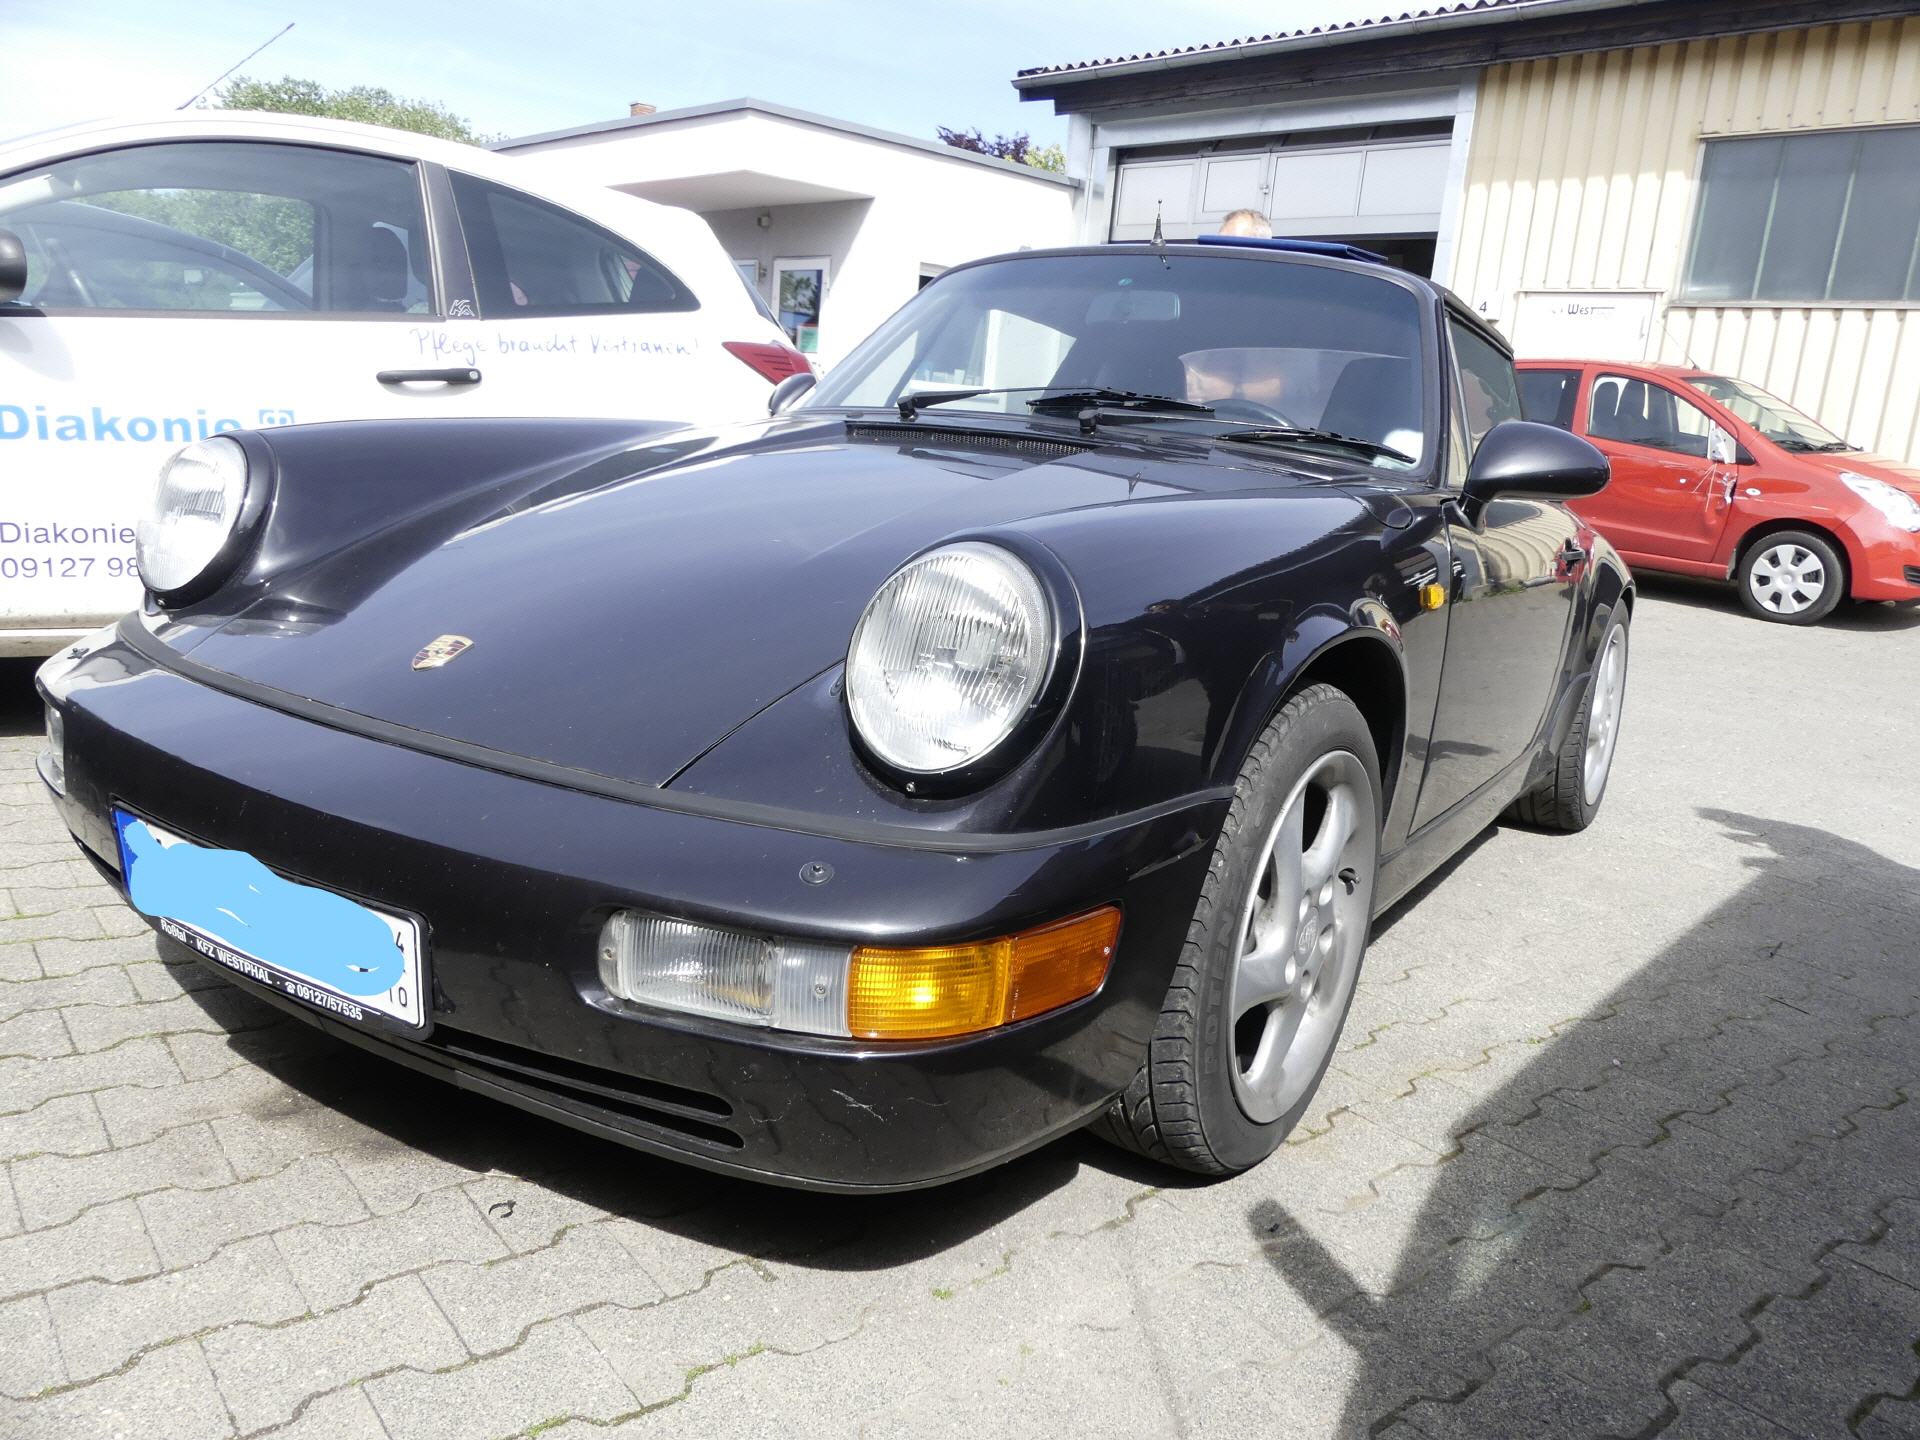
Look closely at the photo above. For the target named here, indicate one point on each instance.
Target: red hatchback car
(1713, 476)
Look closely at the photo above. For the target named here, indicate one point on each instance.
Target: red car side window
(1638, 412)
(1548, 396)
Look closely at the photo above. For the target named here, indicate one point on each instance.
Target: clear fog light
(53, 758)
(728, 974)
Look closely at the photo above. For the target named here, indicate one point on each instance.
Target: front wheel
(1792, 577)
(1273, 951)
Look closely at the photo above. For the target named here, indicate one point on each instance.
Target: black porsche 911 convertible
(1022, 729)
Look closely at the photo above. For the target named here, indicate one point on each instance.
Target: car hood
(1869, 466)
(625, 629)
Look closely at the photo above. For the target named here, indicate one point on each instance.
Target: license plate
(323, 949)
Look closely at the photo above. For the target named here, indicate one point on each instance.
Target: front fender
(1200, 612)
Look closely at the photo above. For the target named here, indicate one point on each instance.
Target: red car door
(1668, 495)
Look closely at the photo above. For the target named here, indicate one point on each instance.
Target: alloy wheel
(1302, 934)
(1603, 716)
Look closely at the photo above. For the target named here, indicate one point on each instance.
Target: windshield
(1773, 418)
(1260, 342)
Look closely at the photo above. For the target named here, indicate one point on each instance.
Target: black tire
(1781, 610)
(1566, 802)
(1181, 1107)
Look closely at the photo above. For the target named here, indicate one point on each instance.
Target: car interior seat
(1124, 355)
(1374, 397)
(370, 271)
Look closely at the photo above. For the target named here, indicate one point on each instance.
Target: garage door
(1357, 189)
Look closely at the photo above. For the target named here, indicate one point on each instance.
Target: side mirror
(13, 267)
(1721, 447)
(1529, 461)
(788, 391)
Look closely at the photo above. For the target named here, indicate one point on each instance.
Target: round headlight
(948, 656)
(191, 514)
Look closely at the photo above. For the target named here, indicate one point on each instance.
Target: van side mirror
(788, 391)
(1525, 460)
(13, 267)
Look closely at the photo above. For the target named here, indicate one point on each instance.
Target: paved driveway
(1619, 1142)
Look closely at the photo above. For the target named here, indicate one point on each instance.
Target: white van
(167, 280)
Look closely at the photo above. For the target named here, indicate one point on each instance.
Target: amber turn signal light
(931, 991)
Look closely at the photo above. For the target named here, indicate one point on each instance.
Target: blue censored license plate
(330, 952)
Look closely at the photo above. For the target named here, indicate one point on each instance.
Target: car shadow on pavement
(21, 712)
(569, 1170)
(1696, 1207)
(1868, 617)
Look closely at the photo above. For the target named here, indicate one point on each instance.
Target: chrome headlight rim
(256, 488)
(1062, 670)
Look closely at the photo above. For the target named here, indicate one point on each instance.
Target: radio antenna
(233, 67)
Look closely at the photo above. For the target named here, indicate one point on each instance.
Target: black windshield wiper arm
(1117, 400)
(908, 404)
(1054, 397)
(1306, 435)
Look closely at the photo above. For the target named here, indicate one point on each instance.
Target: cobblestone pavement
(1620, 1142)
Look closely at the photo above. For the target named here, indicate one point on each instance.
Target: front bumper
(1886, 567)
(514, 879)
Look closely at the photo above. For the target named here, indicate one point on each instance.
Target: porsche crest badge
(439, 651)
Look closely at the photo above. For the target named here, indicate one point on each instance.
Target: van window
(532, 259)
(1548, 396)
(225, 227)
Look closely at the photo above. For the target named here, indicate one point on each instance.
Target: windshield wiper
(1062, 397)
(1305, 435)
(1117, 400)
(908, 404)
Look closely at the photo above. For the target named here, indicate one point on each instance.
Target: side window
(222, 227)
(533, 259)
(1637, 412)
(1548, 396)
(1488, 389)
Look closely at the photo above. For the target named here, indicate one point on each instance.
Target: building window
(1827, 216)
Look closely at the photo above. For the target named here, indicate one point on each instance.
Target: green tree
(369, 104)
(1048, 157)
(276, 231)
(1018, 148)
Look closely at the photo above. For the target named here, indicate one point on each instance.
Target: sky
(516, 68)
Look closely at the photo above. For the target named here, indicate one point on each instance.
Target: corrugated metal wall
(1582, 174)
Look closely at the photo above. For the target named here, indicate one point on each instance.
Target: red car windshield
(1773, 418)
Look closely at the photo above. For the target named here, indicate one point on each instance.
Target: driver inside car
(1242, 373)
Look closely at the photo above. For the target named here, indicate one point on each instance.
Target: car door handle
(1572, 554)
(460, 376)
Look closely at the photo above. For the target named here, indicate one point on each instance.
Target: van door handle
(460, 376)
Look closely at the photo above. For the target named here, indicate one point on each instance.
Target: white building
(834, 224)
